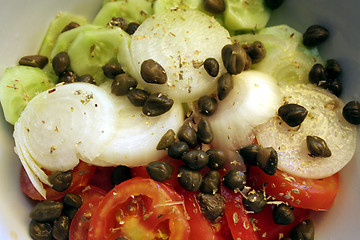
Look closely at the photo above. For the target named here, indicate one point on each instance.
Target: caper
(60, 180)
(273, 4)
(212, 205)
(314, 35)
(255, 201)
(40, 231)
(225, 85)
(196, 159)
(118, 22)
(317, 147)
(70, 211)
(283, 214)
(335, 87)
(70, 26)
(234, 58)
(189, 179)
(317, 73)
(159, 171)
(292, 114)
(177, 149)
(153, 72)
(138, 97)
(47, 210)
(304, 231)
(86, 78)
(60, 63)
(214, 6)
(211, 182)
(207, 105)
(71, 199)
(67, 77)
(235, 179)
(211, 66)
(166, 140)
(351, 112)
(217, 158)
(204, 131)
(157, 104)
(122, 84)
(249, 154)
(38, 61)
(248, 62)
(120, 174)
(112, 69)
(61, 228)
(132, 27)
(256, 51)
(267, 160)
(333, 68)
(187, 134)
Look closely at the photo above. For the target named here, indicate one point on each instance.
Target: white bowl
(23, 24)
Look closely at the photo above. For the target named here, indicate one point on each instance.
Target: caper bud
(315, 35)
(212, 206)
(207, 105)
(60, 180)
(189, 179)
(292, 114)
(255, 201)
(122, 84)
(153, 72)
(211, 66)
(214, 6)
(317, 147)
(67, 77)
(351, 112)
(118, 22)
(61, 228)
(256, 51)
(38, 61)
(157, 104)
(60, 63)
(332, 69)
(120, 174)
(70, 26)
(249, 154)
(283, 214)
(177, 149)
(225, 85)
(235, 179)
(267, 160)
(40, 231)
(217, 158)
(112, 69)
(187, 134)
(47, 210)
(317, 73)
(166, 140)
(159, 171)
(211, 182)
(234, 58)
(204, 131)
(73, 200)
(132, 27)
(304, 231)
(138, 97)
(335, 87)
(196, 159)
(87, 78)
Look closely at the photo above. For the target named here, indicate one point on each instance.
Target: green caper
(212, 205)
(211, 66)
(157, 104)
(61, 228)
(120, 174)
(314, 35)
(47, 210)
(40, 231)
(225, 85)
(38, 61)
(234, 58)
(70, 211)
(71, 199)
(166, 140)
(87, 78)
(255, 201)
(217, 158)
(189, 179)
(132, 27)
(249, 154)
(211, 182)
(196, 159)
(292, 114)
(67, 77)
(304, 231)
(153, 72)
(159, 171)
(122, 84)
(235, 179)
(187, 134)
(118, 22)
(112, 69)
(351, 112)
(317, 147)
(214, 6)
(138, 97)
(70, 26)
(207, 105)
(60, 63)
(60, 180)
(317, 73)
(267, 160)
(204, 131)
(332, 68)
(283, 214)
(256, 51)
(177, 149)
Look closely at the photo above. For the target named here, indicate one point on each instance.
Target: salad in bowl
(179, 120)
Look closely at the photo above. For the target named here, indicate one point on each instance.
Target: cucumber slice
(18, 85)
(55, 28)
(93, 49)
(246, 14)
(165, 5)
(287, 59)
(131, 10)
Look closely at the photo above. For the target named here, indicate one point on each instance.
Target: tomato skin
(315, 194)
(102, 179)
(82, 174)
(90, 192)
(139, 207)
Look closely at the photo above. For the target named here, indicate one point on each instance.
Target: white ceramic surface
(24, 22)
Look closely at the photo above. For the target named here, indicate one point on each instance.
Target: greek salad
(183, 119)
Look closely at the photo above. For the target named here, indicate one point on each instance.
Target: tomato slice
(315, 194)
(102, 179)
(140, 208)
(238, 221)
(82, 174)
(90, 192)
(80, 223)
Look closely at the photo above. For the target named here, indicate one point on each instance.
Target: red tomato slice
(315, 194)
(140, 208)
(173, 181)
(80, 223)
(90, 192)
(102, 178)
(265, 228)
(82, 174)
(238, 221)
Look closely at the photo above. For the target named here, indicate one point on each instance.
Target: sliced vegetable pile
(178, 120)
